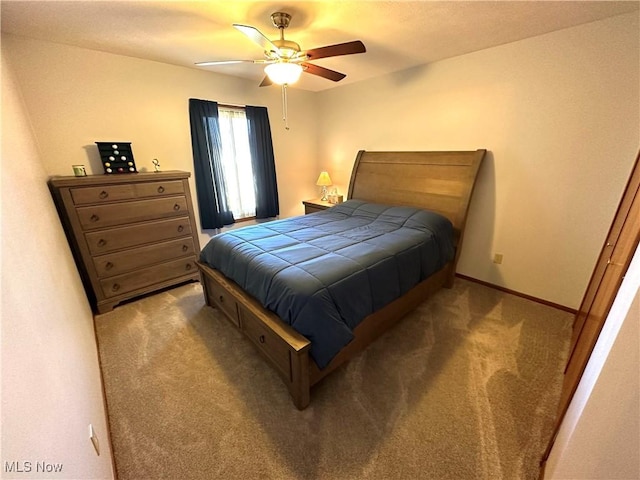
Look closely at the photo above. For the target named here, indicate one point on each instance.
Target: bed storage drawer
(284, 348)
(142, 278)
(222, 300)
(267, 341)
(130, 234)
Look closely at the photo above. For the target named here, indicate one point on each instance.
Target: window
(235, 154)
(234, 164)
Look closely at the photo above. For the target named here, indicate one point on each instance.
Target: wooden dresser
(130, 234)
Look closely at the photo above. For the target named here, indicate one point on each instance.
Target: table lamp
(324, 180)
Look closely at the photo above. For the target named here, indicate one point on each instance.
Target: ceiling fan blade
(266, 81)
(227, 62)
(348, 48)
(322, 72)
(255, 35)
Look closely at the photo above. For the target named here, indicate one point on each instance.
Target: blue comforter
(324, 273)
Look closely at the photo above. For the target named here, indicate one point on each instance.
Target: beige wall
(559, 114)
(51, 388)
(76, 97)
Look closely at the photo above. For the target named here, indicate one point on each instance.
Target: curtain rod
(231, 105)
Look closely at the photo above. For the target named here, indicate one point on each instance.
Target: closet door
(607, 276)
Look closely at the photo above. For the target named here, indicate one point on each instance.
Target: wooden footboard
(286, 349)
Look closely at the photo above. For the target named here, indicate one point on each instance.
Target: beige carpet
(466, 387)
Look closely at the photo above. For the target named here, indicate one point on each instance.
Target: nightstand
(315, 205)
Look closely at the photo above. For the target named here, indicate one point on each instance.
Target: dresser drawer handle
(188, 266)
(103, 195)
(108, 266)
(180, 228)
(176, 207)
(102, 242)
(261, 338)
(185, 248)
(94, 218)
(221, 298)
(115, 287)
(160, 189)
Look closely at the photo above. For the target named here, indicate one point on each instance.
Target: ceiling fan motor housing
(280, 19)
(287, 49)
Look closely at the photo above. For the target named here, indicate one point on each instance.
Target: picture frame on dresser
(130, 235)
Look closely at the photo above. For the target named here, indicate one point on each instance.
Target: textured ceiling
(398, 35)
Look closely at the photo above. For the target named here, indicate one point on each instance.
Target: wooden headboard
(439, 181)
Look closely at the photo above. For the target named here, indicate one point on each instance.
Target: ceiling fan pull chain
(284, 106)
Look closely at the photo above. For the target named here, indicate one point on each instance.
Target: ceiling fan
(285, 60)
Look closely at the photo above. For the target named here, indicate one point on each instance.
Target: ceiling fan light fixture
(283, 73)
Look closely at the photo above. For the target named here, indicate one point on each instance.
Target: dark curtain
(205, 143)
(263, 162)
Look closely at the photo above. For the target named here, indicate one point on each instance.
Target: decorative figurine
(156, 164)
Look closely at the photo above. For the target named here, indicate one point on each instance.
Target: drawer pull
(188, 266)
(94, 218)
(176, 207)
(103, 195)
(185, 248)
(108, 266)
(102, 242)
(221, 298)
(261, 338)
(115, 287)
(180, 228)
(160, 189)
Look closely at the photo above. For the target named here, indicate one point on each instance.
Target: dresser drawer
(145, 277)
(222, 300)
(156, 189)
(270, 344)
(105, 193)
(98, 216)
(105, 241)
(135, 258)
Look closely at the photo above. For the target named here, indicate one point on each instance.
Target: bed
(313, 291)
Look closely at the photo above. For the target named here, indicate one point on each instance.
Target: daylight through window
(236, 162)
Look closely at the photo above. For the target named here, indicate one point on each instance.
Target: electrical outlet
(94, 439)
(497, 258)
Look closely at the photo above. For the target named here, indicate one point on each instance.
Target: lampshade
(283, 72)
(324, 179)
